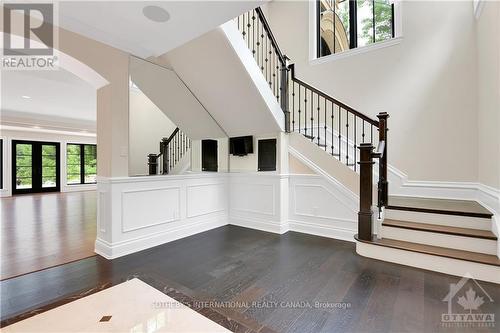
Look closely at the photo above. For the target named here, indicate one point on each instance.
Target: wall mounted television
(241, 146)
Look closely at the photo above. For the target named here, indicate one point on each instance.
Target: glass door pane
(49, 166)
(90, 160)
(24, 166)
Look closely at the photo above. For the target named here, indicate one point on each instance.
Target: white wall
(147, 126)
(488, 88)
(249, 163)
(33, 135)
(426, 83)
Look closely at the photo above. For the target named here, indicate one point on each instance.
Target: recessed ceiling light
(156, 14)
(26, 97)
(35, 127)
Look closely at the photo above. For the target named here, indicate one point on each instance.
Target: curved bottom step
(454, 262)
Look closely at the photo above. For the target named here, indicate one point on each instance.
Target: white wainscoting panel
(205, 199)
(259, 201)
(136, 213)
(150, 205)
(319, 207)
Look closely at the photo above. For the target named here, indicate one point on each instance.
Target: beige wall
(147, 125)
(488, 87)
(426, 83)
(112, 100)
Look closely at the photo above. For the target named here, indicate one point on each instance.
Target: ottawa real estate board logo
(29, 36)
(469, 305)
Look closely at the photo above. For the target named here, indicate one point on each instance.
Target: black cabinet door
(267, 155)
(209, 155)
(35, 167)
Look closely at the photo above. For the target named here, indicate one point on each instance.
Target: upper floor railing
(172, 149)
(334, 126)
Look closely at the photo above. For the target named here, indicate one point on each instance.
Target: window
(348, 24)
(81, 164)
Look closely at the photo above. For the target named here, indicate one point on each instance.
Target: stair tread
(480, 258)
(439, 206)
(467, 232)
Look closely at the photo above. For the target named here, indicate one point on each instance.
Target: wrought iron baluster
(293, 106)
(325, 123)
(333, 148)
(347, 137)
(253, 33)
(339, 132)
(317, 119)
(305, 111)
(363, 134)
(298, 102)
(312, 117)
(355, 146)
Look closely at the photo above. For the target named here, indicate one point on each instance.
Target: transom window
(348, 24)
(81, 163)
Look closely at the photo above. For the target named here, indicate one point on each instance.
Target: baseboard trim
(119, 249)
(259, 224)
(322, 230)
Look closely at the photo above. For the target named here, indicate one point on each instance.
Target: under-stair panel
(322, 162)
(219, 69)
(164, 88)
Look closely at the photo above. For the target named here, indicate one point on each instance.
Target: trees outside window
(81, 164)
(348, 24)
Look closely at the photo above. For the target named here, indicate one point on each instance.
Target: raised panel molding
(211, 198)
(253, 198)
(148, 205)
(102, 206)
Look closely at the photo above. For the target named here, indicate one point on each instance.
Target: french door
(35, 167)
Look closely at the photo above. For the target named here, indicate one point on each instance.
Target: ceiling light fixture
(156, 14)
(26, 97)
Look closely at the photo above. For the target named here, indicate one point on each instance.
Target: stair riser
(471, 244)
(440, 219)
(430, 262)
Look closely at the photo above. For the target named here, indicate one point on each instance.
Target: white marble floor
(133, 306)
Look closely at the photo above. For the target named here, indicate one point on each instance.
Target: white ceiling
(54, 94)
(122, 24)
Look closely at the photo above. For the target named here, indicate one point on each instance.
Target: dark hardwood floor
(45, 230)
(283, 275)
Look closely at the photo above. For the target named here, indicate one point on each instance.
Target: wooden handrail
(331, 99)
(171, 137)
(262, 17)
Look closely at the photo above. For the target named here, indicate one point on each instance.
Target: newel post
(284, 94)
(383, 184)
(365, 213)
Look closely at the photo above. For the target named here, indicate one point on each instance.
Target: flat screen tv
(241, 146)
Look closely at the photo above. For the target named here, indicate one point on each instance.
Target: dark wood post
(284, 94)
(383, 184)
(365, 213)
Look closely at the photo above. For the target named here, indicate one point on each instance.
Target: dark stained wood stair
(435, 250)
(465, 232)
(439, 206)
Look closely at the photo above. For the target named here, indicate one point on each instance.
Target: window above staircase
(345, 27)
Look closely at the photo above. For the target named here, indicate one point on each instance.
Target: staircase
(449, 236)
